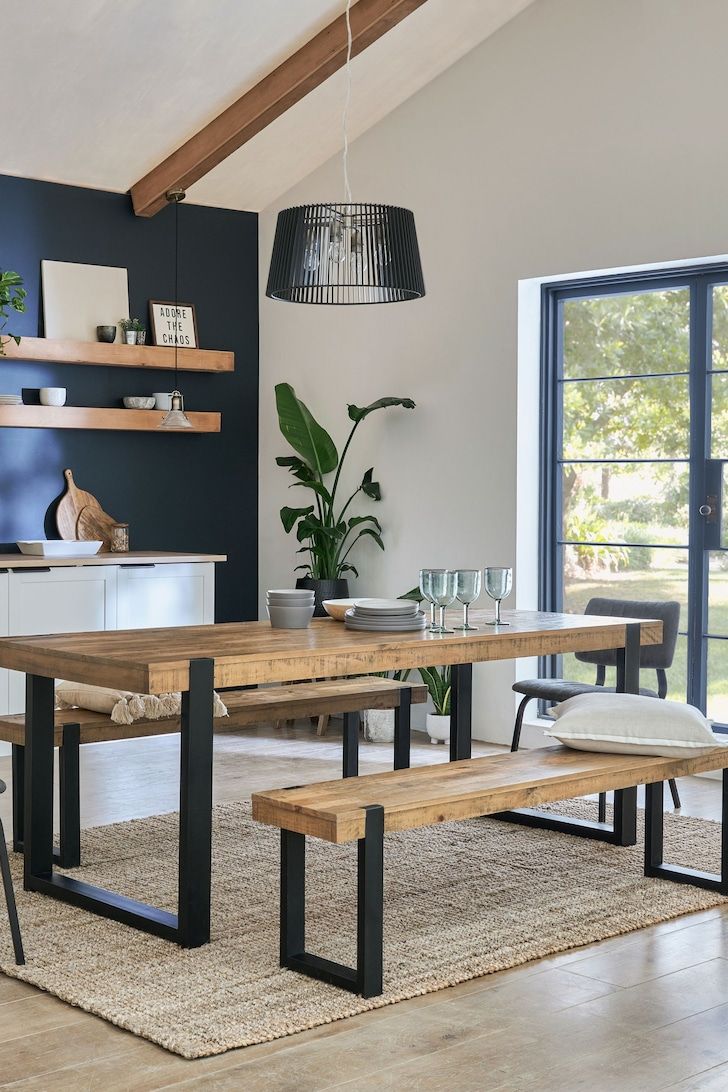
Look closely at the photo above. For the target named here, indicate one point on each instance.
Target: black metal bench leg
(18, 774)
(674, 793)
(516, 741)
(10, 900)
(366, 977)
(602, 808)
(654, 845)
(70, 797)
(351, 745)
(402, 727)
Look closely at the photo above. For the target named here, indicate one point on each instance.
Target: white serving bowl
(337, 608)
(290, 617)
(138, 401)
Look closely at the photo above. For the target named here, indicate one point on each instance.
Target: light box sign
(173, 324)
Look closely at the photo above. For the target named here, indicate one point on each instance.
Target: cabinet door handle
(32, 569)
(140, 565)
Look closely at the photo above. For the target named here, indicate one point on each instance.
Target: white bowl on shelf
(58, 548)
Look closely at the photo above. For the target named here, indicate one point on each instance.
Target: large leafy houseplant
(12, 298)
(325, 528)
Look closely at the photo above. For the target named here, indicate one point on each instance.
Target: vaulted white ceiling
(97, 92)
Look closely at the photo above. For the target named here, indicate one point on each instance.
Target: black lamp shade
(345, 253)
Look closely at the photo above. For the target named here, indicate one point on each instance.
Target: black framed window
(634, 434)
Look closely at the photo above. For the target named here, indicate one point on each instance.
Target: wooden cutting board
(95, 525)
(70, 507)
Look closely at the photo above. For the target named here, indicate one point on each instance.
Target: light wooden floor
(645, 1011)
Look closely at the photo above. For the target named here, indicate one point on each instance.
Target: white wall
(584, 135)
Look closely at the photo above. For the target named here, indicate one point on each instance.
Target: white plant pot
(438, 728)
(378, 725)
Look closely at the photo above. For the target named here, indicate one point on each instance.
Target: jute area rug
(461, 900)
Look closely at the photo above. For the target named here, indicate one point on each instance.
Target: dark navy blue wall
(177, 492)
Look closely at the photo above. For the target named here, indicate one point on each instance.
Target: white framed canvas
(78, 298)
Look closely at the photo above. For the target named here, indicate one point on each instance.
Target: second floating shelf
(95, 418)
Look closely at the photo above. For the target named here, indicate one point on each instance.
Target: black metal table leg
(402, 730)
(654, 845)
(39, 740)
(190, 927)
(69, 793)
(195, 806)
(461, 711)
(18, 775)
(350, 757)
(628, 682)
(366, 977)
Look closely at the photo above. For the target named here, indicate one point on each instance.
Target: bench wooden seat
(74, 727)
(362, 809)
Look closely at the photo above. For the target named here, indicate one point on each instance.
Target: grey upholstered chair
(658, 657)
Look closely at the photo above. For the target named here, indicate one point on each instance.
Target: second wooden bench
(74, 727)
(362, 809)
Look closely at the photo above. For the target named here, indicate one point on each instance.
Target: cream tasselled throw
(123, 706)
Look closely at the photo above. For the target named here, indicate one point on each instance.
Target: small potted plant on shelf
(325, 529)
(438, 683)
(12, 298)
(130, 328)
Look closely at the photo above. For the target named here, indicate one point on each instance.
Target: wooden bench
(362, 809)
(74, 727)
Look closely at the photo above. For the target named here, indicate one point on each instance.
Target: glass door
(635, 461)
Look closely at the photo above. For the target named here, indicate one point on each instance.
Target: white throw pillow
(633, 724)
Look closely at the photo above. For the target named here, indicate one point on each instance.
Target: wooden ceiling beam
(277, 92)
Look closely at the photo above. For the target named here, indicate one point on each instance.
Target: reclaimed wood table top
(247, 653)
(334, 810)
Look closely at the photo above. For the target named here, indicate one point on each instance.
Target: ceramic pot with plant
(129, 330)
(12, 298)
(378, 724)
(325, 528)
(438, 683)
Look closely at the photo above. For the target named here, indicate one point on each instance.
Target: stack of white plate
(384, 616)
(11, 400)
(290, 608)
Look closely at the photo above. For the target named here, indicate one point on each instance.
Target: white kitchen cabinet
(4, 620)
(58, 600)
(165, 595)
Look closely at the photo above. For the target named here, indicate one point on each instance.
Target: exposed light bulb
(337, 242)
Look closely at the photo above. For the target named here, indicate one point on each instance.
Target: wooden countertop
(157, 660)
(133, 557)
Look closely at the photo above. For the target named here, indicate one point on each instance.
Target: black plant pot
(324, 589)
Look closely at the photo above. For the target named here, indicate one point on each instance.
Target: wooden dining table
(197, 659)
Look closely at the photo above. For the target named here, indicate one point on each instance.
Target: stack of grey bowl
(290, 608)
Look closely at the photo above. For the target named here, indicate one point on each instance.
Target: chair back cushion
(631, 724)
(655, 656)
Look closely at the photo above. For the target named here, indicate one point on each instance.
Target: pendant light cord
(176, 290)
(347, 103)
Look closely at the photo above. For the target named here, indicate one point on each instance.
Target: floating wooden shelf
(93, 418)
(59, 351)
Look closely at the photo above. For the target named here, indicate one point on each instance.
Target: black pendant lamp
(348, 252)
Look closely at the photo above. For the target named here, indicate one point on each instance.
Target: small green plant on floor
(439, 687)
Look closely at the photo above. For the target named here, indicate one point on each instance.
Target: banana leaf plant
(12, 296)
(325, 528)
